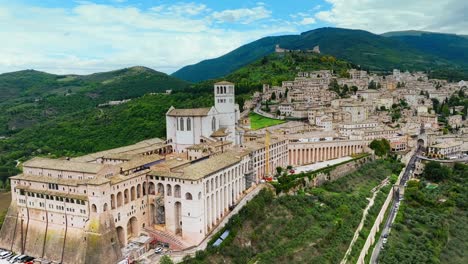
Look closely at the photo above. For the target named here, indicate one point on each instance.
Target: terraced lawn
(258, 122)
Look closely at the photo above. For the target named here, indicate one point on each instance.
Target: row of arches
(128, 195)
(218, 203)
(167, 191)
(226, 177)
(317, 154)
(132, 230)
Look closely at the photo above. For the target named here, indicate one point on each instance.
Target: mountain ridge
(370, 51)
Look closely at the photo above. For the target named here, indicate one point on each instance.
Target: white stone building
(186, 127)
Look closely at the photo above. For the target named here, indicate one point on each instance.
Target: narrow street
(393, 209)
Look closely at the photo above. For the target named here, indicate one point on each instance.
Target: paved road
(394, 209)
(259, 111)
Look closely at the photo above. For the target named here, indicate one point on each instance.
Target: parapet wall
(97, 243)
(332, 173)
(336, 172)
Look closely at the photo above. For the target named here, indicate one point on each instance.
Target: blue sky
(82, 37)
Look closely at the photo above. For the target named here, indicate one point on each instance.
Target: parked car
(5, 254)
(385, 241)
(385, 235)
(21, 259)
(29, 260)
(13, 259)
(158, 250)
(10, 257)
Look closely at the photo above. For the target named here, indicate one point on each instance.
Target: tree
(381, 147)
(445, 110)
(354, 89)
(273, 96)
(240, 102)
(279, 170)
(435, 172)
(166, 260)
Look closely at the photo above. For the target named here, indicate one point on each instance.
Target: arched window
(213, 124)
(189, 124)
(199, 196)
(177, 191)
(181, 124)
(160, 189)
(105, 207)
(112, 201)
(188, 196)
(94, 208)
(169, 190)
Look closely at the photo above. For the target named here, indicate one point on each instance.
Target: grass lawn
(258, 122)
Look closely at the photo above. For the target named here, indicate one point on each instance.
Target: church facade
(187, 127)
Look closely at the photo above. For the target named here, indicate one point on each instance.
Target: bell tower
(224, 97)
(228, 111)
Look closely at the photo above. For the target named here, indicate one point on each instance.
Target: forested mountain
(450, 47)
(29, 97)
(370, 51)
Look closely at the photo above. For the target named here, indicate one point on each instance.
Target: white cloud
(182, 9)
(91, 37)
(382, 15)
(242, 15)
(307, 21)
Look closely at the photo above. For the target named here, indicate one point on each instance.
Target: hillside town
(179, 191)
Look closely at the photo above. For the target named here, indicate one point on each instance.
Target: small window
(181, 126)
(189, 124)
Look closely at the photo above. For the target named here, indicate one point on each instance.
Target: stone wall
(339, 171)
(380, 217)
(332, 173)
(97, 243)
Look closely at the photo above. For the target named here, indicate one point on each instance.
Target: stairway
(174, 242)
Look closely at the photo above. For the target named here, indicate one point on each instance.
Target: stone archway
(421, 143)
(121, 236)
(132, 228)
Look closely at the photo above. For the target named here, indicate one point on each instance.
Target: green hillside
(449, 47)
(275, 68)
(370, 51)
(31, 97)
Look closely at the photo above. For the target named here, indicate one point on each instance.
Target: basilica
(93, 208)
